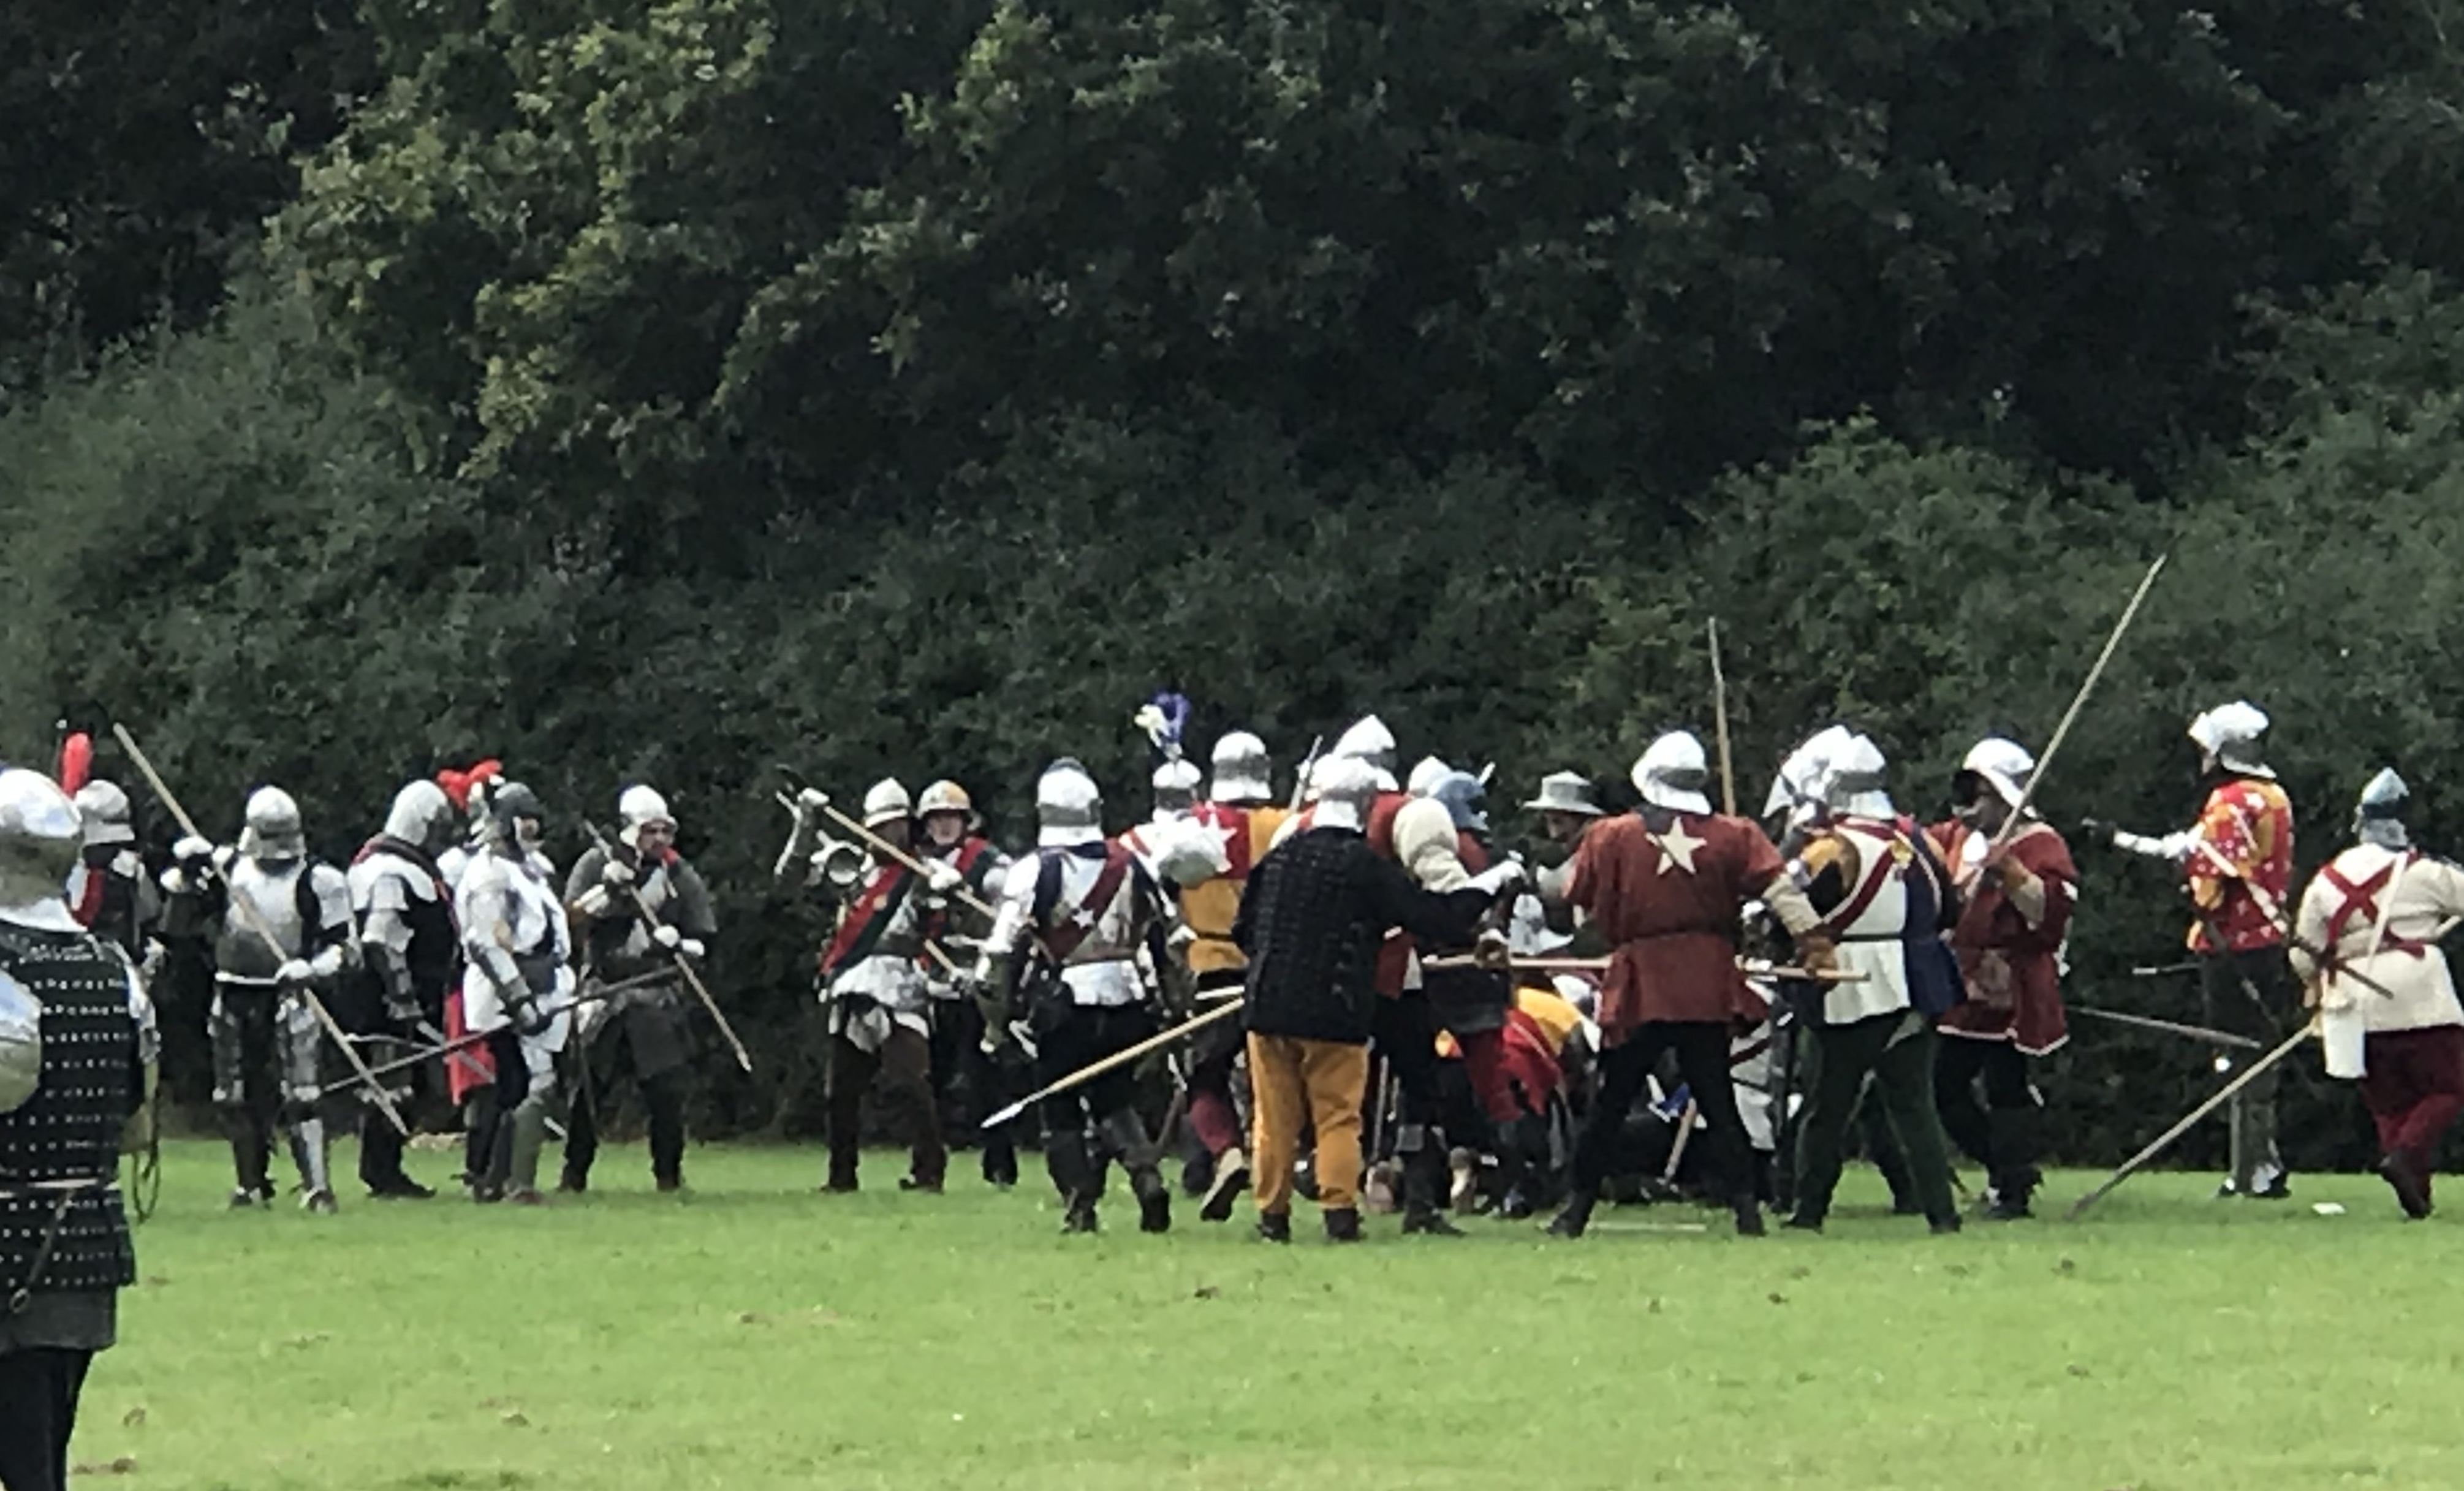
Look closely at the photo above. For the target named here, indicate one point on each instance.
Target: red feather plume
(76, 763)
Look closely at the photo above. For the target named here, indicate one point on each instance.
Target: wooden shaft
(684, 965)
(2165, 1141)
(2169, 1027)
(1720, 725)
(256, 920)
(2273, 911)
(896, 855)
(1595, 965)
(1121, 1058)
(2062, 732)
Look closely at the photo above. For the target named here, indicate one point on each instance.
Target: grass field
(756, 1334)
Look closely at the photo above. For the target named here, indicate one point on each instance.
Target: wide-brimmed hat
(1565, 792)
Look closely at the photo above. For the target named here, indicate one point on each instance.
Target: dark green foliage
(665, 391)
(140, 144)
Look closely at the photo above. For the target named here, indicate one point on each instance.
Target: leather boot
(1343, 1224)
(2015, 1175)
(1073, 1176)
(2407, 1177)
(1425, 1180)
(1572, 1222)
(1127, 1138)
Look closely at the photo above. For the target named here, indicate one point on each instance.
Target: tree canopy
(666, 390)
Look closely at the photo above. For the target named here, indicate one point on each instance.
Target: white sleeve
(1425, 844)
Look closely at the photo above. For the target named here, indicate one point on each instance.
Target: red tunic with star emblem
(2013, 970)
(1669, 904)
(2248, 825)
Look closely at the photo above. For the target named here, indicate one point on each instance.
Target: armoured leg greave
(526, 1130)
(1073, 1175)
(308, 1152)
(1127, 1138)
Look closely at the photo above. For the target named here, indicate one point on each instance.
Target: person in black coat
(1315, 913)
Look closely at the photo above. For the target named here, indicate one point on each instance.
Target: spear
(1121, 1058)
(1720, 725)
(2045, 760)
(256, 924)
(2189, 1121)
(2223, 1038)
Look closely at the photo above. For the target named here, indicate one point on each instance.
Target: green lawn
(757, 1334)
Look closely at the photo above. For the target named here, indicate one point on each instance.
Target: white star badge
(1677, 847)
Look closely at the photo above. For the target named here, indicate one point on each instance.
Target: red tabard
(1675, 933)
(1394, 957)
(2013, 970)
(2250, 824)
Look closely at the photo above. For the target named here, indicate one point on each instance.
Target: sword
(256, 920)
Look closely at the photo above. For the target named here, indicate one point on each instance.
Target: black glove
(528, 1019)
(2097, 831)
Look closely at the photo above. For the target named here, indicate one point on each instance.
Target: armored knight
(1882, 895)
(108, 892)
(73, 1023)
(410, 955)
(1074, 917)
(644, 1029)
(969, 1081)
(872, 980)
(280, 924)
(517, 990)
(1668, 885)
(2369, 950)
(1240, 808)
(2237, 862)
(2017, 889)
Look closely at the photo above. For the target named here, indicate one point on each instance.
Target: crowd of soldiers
(1761, 999)
(1418, 1022)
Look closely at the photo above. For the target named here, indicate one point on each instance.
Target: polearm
(1121, 1058)
(2248, 1074)
(255, 922)
(469, 1039)
(684, 966)
(889, 851)
(1300, 778)
(2223, 1038)
(1750, 967)
(2273, 911)
(1719, 724)
(2165, 1141)
(2045, 760)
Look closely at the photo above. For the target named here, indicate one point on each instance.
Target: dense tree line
(667, 390)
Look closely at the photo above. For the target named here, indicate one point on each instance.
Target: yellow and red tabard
(2248, 825)
(1208, 907)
